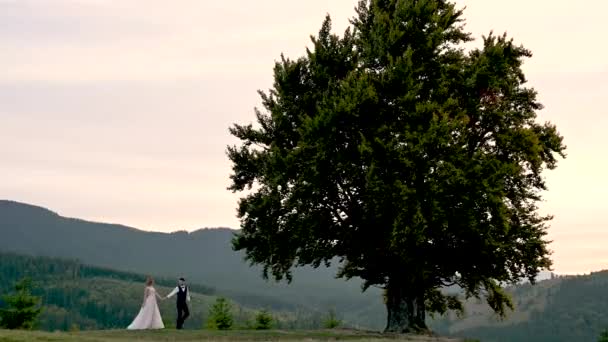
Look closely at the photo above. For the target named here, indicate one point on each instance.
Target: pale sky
(118, 110)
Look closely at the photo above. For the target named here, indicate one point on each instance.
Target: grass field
(204, 335)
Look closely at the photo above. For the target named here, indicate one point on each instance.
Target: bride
(149, 315)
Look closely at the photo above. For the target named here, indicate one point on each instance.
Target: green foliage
(220, 315)
(263, 320)
(389, 148)
(22, 308)
(331, 321)
(603, 336)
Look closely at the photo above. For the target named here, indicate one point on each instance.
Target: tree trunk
(406, 310)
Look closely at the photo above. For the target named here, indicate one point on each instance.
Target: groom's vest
(182, 294)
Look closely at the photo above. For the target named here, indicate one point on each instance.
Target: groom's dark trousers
(182, 306)
(182, 314)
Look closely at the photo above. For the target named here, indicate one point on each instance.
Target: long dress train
(149, 315)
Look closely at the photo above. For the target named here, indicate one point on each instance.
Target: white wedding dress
(149, 315)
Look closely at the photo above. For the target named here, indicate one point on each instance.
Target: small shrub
(603, 336)
(169, 323)
(332, 320)
(263, 320)
(220, 316)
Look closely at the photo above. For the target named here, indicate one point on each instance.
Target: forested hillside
(77, 296)
(203, 256)
(564, 309)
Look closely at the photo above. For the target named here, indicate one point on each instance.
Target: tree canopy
(416, 163)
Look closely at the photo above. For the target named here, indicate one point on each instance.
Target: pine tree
(263, 320)
(22, 307)
(603, 336)
(220, 315)
(414, 163)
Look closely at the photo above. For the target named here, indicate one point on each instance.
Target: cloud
(135, 40)
(563, 35)
(117, 110)
(68, 40)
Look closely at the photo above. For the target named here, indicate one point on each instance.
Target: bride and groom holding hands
(149, 315)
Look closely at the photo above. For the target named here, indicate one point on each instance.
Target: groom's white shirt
(177, 289)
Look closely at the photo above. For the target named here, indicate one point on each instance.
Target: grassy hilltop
(205, 335)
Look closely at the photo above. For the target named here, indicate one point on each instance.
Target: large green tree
(414, 163)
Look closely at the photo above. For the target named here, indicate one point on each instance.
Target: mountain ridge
(11, 204)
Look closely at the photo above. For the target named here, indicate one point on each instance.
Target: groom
(183, 295)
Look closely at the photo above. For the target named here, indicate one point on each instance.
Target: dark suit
(182, 306)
